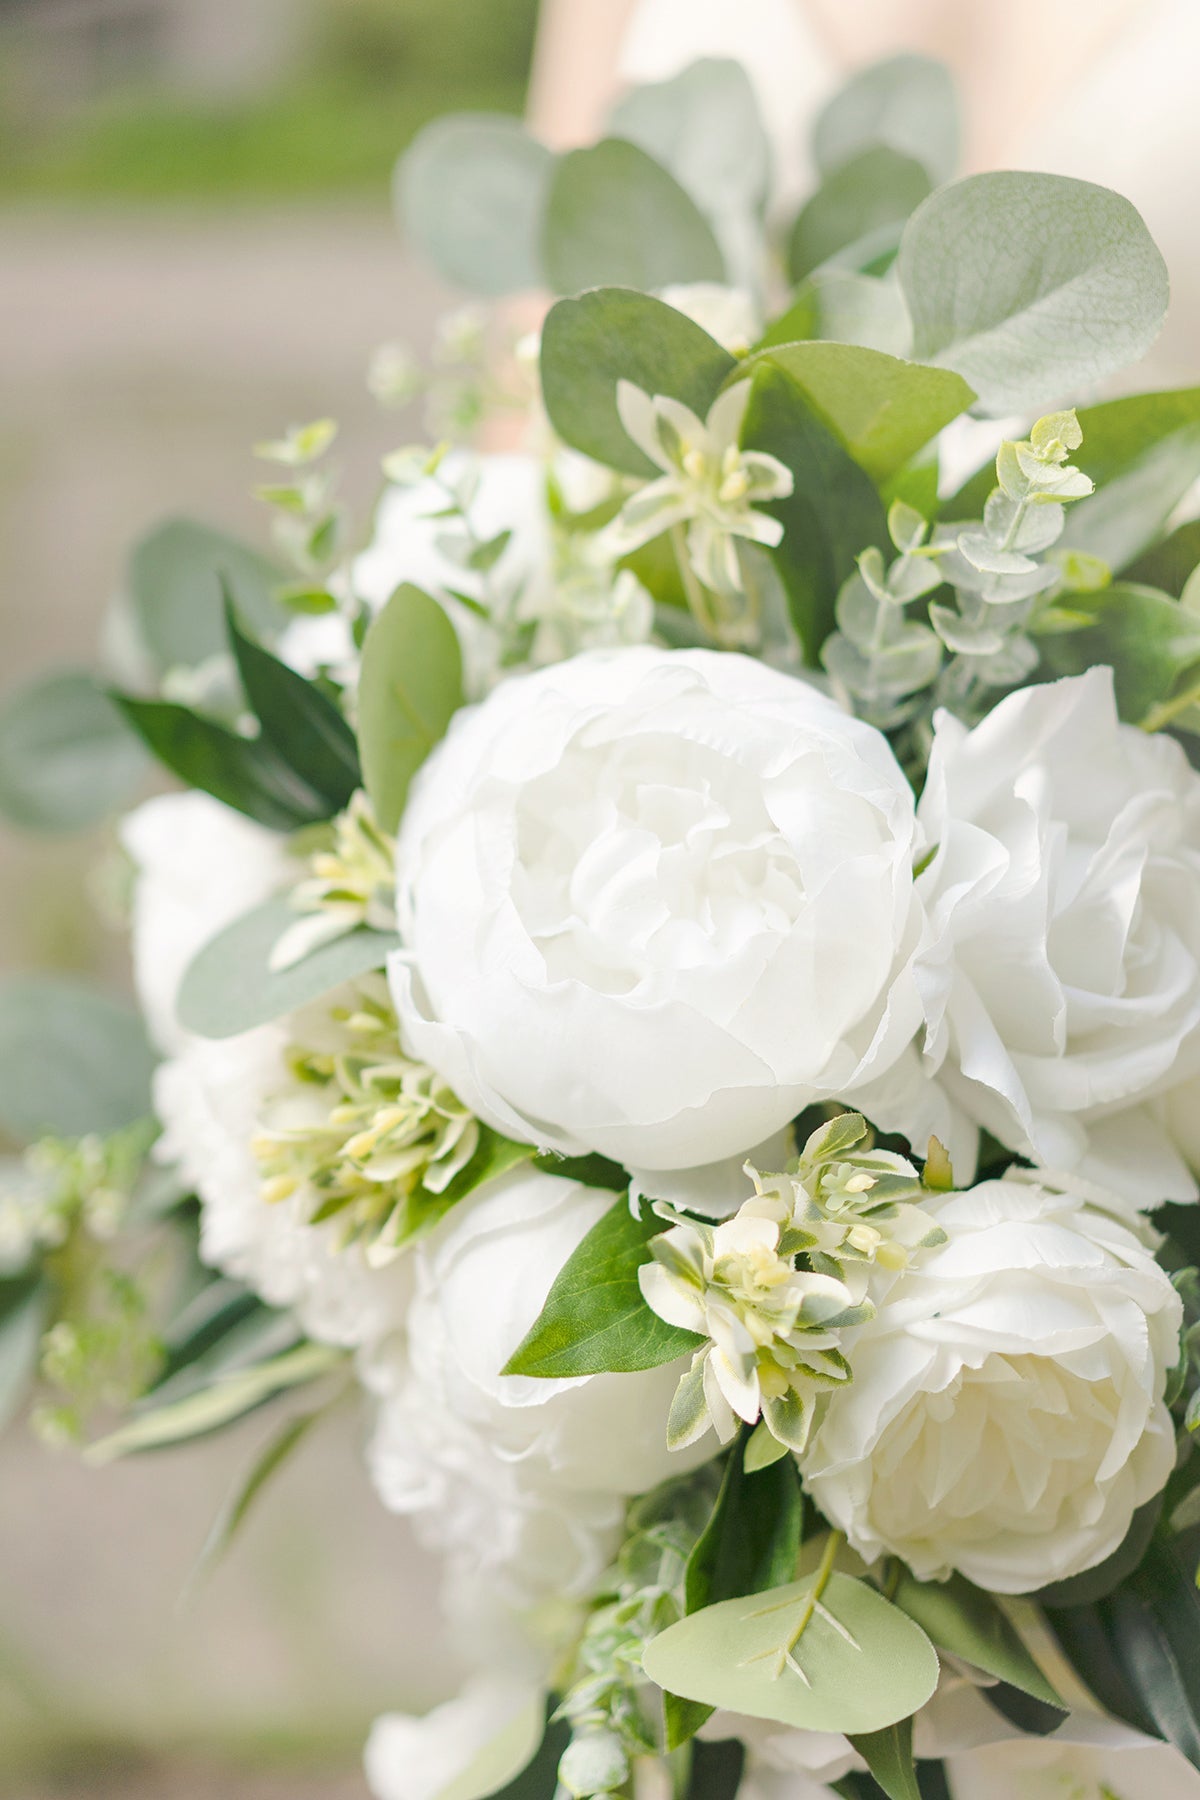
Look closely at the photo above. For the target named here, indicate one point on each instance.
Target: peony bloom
(1062, 991)
(1087, 1758)
(1006, 1414)
(655, 903)
(410, 1758)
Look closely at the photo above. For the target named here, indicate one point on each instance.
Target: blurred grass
(369, 74)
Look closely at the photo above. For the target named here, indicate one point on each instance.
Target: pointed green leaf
(409, 690)
(595, 1319)
(297, 719)
(278, 1451)
(245, 773)
(24, 1304)
(615, 217)
(962, 1619)
(67, 757)
(889, 1756)
(472, 191)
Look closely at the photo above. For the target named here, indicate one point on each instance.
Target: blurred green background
(197, 247)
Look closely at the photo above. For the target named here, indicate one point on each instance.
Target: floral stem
(697, 594)
(824, 1570)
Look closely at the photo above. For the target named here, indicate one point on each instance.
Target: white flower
(410, 1758)
(782, 1763)
(1087, 1758)
(1062, 989)
(521, 1480)
(709, 483)
(1006, 1414)
(654, 904)
(728, 314)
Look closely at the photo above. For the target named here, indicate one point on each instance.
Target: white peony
(522, 1481)
(1087, 1758)
(654, 904)
(410, 1758)
(1062, 988)
(199, 865)
(1005, 1416)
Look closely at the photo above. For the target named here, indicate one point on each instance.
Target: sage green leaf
(963, 1620)
(72, 1061)
(846, 307)
(301, 722)
(751, 1543)
(595, 1319)
(889, 1756)
(1030, 285)
(875, 188)
(471, 193)
(67, 757)
(24, 1305)
(865, 1664)
(906, 102)
(704, 126)
(230, 1397)
(229, 986)
(591, 343)
(1148, 638)
(245, 773)
(279, 1449)
(174, 591)
(832, 512)
(615, 217)
(881, 409)
(409, 689)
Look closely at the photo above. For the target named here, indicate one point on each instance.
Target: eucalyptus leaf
(847, 307)
(906, 103)
(875, 188)
(865, 1664)
(174, 590)
(72, 1061)
(963, 1620)
(24, 1305)
(471, 193)
(1148, 638)
(229, 986)
(409, 689)
(67, 757)
(595, 1319)
(615, 217)
(1030, 285)
(612, 335)
(246, 773)
(889, 1756)
(301, 722)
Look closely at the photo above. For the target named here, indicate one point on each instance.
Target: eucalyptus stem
(813, 1599)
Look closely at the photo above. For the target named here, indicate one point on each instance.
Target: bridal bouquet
(675, 975)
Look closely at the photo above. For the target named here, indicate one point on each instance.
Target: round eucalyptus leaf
(471, 192)
(906, 103)
(71, 1060)
(876, 188)
(67, 757)
(176, 576)
(615, 217)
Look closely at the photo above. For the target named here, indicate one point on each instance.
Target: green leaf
(1169, 564)
(24, 1304)
(409, 689)
(1148, 638)
(906, 102)
(963, 1620)
(716, 1770)
(865, 1664)
(71, 1061)
(593, 1170)
(889, 1756)
(877, 187)
(1123, 518)
(472, 191)
(1154, 1622)
(229, 1397)
(590, 344)
(832, 513)
(1097, 1583)
(881, 409)
(751, 1543)
(174, 588)
(595, 1319)
(1030, 285)
(245, 773)
(230, 987)
(847, 307)
(420, 1211)
(67, 757)
(297, 719)
(615, 217)
(276, 1453)
(704, 126)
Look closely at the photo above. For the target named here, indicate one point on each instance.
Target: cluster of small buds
(350, 882)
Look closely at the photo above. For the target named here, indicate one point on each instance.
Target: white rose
(522, 1478)
(411, 1758)
(1005, 1415)
(654, 904)
(200, 864)
(1062, 991)
(1085, 1759)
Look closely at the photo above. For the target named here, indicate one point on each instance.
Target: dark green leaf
(906, 102)
(1148, 638)
(1169, 564)
(590, 344)
(832, 514)
(877, 187)
(595, 1319)
(1154, 1621)
(422, 1209)
(23, 1312)
(175, 576)
(472, 191)
(1085, 1637)
(297, 719)
(230, 987)
(71, 1060)
(615, 217)
(245, 773)
(409, 690)
(593, 1170)
(716, 1771)
(889, 1756)
(67, 757)
(962, 1619)
(1098, 1583)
